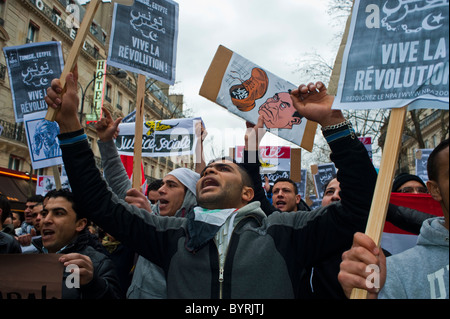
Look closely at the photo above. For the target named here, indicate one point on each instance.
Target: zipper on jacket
(221, 270)
(222, 267)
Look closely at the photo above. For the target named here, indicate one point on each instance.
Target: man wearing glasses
(411, 184)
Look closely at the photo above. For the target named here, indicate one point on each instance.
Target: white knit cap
(186, 177)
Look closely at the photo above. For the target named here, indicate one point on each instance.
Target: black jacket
(104, 285)
(8, 244)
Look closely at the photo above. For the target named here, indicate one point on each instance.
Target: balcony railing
(13, 131)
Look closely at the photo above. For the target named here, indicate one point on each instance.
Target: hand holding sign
(77, 45)
(67, 117)
(313, 102)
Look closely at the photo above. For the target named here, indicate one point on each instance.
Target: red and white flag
(396, 240)
(127, 162)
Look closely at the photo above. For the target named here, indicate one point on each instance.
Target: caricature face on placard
(249, 92)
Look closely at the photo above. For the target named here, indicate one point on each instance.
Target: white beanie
(186, 177)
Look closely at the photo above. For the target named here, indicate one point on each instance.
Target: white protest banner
(396, 55)
(43, 143)
(31, 68)
(144, 39)
(160, 138)
(249, 91)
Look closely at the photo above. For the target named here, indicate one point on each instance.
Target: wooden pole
(380, 202)
(57, 177)
(75, 51)
(137, 182)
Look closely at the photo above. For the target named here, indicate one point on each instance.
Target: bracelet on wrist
(336, 126)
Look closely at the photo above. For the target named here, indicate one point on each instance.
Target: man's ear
(297, 198)
(80, 224)
(434, 191)
(247, 194)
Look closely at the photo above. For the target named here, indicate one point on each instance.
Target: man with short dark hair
(286, 198)
(64, 232)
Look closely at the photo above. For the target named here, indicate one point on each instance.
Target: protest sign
(160, 138)
(249, 91)
(77, 45)
(30, 276)
(421, 163)
(396, 54)
(275, 161)
(46, 183)
(367, 141)
(31, 68)
(144, 39)
(43, 143)
(322, 174)
(302, 184)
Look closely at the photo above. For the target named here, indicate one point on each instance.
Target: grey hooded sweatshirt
(149, 280)
(422, 271)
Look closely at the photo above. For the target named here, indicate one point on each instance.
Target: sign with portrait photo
(144, 38)
(248, 91)
(43, 143)
(31, 68)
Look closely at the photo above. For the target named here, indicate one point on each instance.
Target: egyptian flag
(396, 240)
(127, 162)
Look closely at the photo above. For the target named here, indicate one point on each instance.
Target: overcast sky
(271, 33)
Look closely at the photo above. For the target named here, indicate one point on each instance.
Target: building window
(94, 28)
(108, 92)
(33, 29)
(56, 16)
(119, 100)
(14, 162)
(39, 171)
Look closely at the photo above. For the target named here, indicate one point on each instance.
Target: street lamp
(120, 74)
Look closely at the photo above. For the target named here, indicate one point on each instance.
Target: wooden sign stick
(137, 182)
(380, 201)
(75, 51)
(57, 177)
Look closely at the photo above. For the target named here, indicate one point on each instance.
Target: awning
(17, 187)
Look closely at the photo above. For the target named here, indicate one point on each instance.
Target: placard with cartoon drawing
(43, 143)
(31, 68)
(144, 38)
(249, 91)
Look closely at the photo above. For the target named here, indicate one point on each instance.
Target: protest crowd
(216, 234)
(216, 231)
